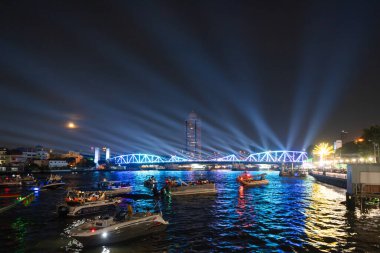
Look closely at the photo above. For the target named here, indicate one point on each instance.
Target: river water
(288, 215)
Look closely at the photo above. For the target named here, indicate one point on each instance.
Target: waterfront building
(193, 137)
(52, 163)
(16, 157)
(41, 163)
(108, 153)
(57, 163)
(72, 154)
(4, 158)
(96, 155)
(34, 153)
(42, 154)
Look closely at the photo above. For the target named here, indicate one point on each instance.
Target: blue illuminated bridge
(270, 157)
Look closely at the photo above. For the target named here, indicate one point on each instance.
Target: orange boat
(247, 179)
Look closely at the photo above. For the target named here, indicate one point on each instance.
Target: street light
(376, 150)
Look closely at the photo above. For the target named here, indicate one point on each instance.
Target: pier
(362, 182)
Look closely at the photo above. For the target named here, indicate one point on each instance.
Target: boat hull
(193, 190)
(254, 183)
(87, 209)
(122, 232)
(52, 186)
(119, 191)
(10, 184)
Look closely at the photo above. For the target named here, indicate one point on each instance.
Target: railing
(331, 174)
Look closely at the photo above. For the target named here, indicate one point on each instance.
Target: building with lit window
(72, 154)
(4, 158)
(193, 137)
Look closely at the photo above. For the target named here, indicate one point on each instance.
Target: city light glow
(323, 150)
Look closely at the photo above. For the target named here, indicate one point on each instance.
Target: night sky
(260, 74)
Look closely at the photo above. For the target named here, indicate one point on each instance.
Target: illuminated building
(57, 163)
(96, 156)
(76, 155)
(193, 136)
(108, 153)
(3, 156)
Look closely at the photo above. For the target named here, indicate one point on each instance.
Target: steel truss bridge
(257, 158)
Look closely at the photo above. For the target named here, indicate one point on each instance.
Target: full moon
(71, 125)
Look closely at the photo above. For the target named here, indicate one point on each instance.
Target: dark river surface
(288, 215)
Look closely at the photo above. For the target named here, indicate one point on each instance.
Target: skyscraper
(193, 136)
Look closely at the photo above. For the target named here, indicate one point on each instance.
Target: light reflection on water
(288, 215)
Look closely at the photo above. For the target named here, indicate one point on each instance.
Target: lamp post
(376, 151)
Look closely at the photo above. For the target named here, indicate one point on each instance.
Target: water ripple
(288, 215)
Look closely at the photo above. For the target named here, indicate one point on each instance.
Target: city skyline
(125, 75)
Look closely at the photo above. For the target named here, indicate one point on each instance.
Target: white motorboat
(85, 208)
(28, 180)
(52, 185)
(180, 188)
(113, 188)
(53, 182)
(106, 230)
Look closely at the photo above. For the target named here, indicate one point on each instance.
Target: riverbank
(335, 179)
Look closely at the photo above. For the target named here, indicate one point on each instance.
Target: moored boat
(180, 188)
(78, 203)
(293, 173)
(150, 182)
(247, 179)
(28, 180)
(106, 230)
(113, 188)
(14, 181)
(53, 182)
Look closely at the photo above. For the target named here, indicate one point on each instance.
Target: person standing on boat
(129, 210)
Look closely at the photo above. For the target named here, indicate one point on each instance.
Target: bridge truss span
(278, 157)
(137, 159)
(283, 156)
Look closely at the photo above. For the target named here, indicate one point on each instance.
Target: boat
(247, 179)
(293, 173)
(28, 180)
(150, 182)
(179, 188)
(14, 181)
(78, 203)
(113, 188)
(53, 182)
(123, 226)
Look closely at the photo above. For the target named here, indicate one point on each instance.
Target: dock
(362, 182)
(335, 179)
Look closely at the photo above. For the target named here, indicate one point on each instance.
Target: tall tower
(96, 156)
(108, 153)
(193, 136)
